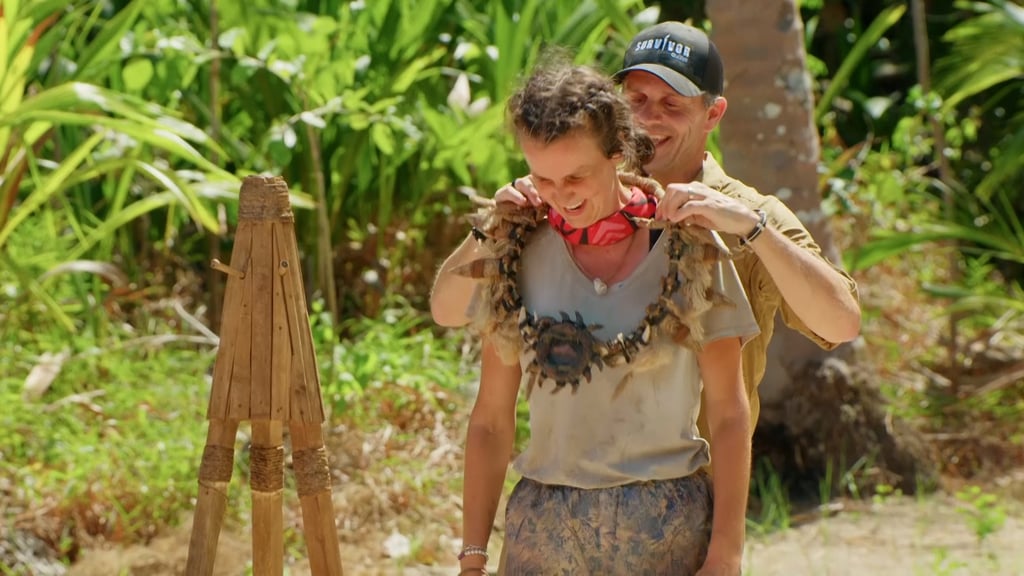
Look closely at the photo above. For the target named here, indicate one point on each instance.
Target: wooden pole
(214, 477)
(313, 477)
(267, 482)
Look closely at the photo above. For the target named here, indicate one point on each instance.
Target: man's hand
(696, 204)
(520, 192)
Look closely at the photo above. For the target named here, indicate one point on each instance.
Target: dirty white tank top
(634, 422)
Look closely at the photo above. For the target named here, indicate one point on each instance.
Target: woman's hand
(723, 567)
(520, 192)
(473, 566)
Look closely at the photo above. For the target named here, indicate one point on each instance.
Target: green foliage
(771, 500)
(885, 493)
(988, 51)
(1000, 408)
(986, 64)
(907, 213)
(112, 448)
(943, 564)
(984, 512)
(375, 112)
(969, 419)
(854, 59)
(396, 355)
(522, 423)
(93, 158)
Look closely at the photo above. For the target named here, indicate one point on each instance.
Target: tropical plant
(377, 113)
(344, 99)
(986, 64)
(853, 62)
(985, 222)
(100, 158)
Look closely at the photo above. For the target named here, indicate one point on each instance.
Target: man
(673, 78)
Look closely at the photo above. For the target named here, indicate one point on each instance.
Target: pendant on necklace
(600, 287)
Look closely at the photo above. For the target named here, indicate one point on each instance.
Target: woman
(612, 321)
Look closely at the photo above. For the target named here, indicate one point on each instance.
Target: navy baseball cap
(681, 55)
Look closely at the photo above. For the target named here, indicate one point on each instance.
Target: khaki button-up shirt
(764, 296)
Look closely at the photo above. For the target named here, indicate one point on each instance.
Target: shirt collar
(711, 173)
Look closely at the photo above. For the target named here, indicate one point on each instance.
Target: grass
(984, 512)
(111, 449)
(770, 510)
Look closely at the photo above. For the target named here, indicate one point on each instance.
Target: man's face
(679, 125)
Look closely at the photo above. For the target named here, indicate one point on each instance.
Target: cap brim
(677, 81)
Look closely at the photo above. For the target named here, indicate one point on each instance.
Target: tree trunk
(769, 140)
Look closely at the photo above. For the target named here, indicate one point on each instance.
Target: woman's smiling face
(574, 177)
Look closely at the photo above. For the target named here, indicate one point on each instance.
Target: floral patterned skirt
(656, 527)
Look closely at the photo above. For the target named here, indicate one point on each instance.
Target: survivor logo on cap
(676, 49)
(683, 56)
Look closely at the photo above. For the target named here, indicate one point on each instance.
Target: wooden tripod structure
(265, 372)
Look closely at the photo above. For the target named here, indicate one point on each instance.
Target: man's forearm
(815, 291)
(486, 463)
(453, 294)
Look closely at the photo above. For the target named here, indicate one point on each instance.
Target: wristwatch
(753, 234)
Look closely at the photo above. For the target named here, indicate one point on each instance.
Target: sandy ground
(900, 536)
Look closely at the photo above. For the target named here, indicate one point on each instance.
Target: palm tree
(818, 416)
(769, 139)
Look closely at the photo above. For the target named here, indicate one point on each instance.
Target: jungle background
(126, 126)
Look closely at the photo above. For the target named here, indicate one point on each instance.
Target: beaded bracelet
(474, 551)
(757, 229)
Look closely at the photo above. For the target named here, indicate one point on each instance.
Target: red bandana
(610, 230)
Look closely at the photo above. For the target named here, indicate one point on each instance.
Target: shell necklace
(600, 286)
